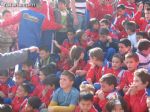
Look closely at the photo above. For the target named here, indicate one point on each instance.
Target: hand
(125, 89)
(133, 89)
(148, 102)
(10, 95)
(56, 43)
(64, 27)
(90, 43)
(100, 94)
(33, 49)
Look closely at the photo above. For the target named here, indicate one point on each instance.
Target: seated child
(45, 57)
(136, 94)
(124, 46)
(116, 105)
(105, 42)
(96, 70)
(116, 68)
(66, 97)
(43, 73)
(107, 91)
(32, 76)
(21, 96)
(6, 85)
(86, 102)
(33, 104)
(132, 62)
(50, 84)
(144, 54)
(92, 31)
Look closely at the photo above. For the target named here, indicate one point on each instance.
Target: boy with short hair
(124, 46)
(144, 53)
(108, 83)
(45, 57)
(106, 43)
(86, 102)
(132, 62)
(66, 97)
(130, 28)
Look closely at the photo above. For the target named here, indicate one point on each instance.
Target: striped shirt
(144, 61)
(80, 6)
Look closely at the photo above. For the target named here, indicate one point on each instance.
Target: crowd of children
(102, 67)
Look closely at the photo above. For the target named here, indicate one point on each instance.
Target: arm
(53, 108)
(11, 21)
(8, 60)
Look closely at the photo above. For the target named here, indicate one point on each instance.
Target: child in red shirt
(136, 94)
(95, 71)
(93, 30)
(33, 104)
(108, 83)
(85, 102)
(21, 97)
(33, 77)
(131, 61)
(117, 61)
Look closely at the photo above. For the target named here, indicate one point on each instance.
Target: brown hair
(143, 75)
(117, 55)
(132, 55)
(69, 74)
(143, 44)
(110, 79)
(97, 52)
(75, 52)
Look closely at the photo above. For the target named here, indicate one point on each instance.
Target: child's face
(7, 16)
(70, 35)
(28, 108)
(41, 76)
(139, 84)
(103, 38)
(25, 67)
(106, 87)
(65, 82)
(118, 108)
(3, 79)
(61, 6)
(120, 12)
(123, 49)
(20, 92)
(85, 106)
(103, 25)
(131, 64)
(19, 79)
(96, 26)
(43, 54)
(116, 63)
